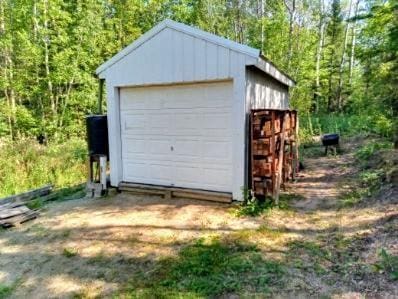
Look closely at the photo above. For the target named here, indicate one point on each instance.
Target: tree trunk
(46, 41)
(262, 25)
(36, 39)
(342, 62)
(8, 71)
(353, 40)
(321, 30)
(292, 14)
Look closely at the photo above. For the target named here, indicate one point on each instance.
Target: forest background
(343, 55)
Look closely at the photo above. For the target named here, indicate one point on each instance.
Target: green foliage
(251, 206)
(368, 150)
(5, 291)
(25, 165)
(388, 263)
(209, 268)
(69, 252)
(353, 197)
(372, 174)
(51, 49)
(344, 124)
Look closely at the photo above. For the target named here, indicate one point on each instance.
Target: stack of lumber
(273, 150)
(14, 210)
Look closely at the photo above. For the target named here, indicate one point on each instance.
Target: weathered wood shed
(178, 101)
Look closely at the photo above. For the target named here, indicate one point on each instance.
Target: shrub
(365, 152)
(345, 124)
(388, 263)
(25, 164)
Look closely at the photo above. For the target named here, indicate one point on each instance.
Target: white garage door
(178, 135)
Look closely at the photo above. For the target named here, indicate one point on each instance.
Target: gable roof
(195, 32)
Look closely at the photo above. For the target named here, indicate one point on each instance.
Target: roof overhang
(262, 63)
(218, 40)
(265, 65)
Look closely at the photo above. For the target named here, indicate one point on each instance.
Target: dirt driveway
(313, 247)
(89, 246)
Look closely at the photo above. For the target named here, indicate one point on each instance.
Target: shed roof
(262, 63)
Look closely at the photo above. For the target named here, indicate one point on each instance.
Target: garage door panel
(160, 173)
(133, 122)
(188, 174)
(217, 150)
(134, 146)
(159, 121)
(217, 121)
(182, 140)
(159, 147)
(218, 178)
(140, 99)
(137, 172)
(186, 121)
(187, 148)
(217, 133)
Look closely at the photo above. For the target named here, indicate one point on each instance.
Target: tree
(334, 32)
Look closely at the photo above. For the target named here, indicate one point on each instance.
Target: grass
(372, 172)
(25, 164)
(5, 290)
(330, 255)
(368, 150)
(208, 268)
(344, 124)
(67, 193)
(388, 263)
(253, 207)
(69, 252)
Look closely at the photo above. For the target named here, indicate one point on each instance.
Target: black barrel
(330, 139)
(97, 135)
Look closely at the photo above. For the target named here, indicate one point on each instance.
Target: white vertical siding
(115, 147)
(172, 56)
(199, 58)
(264, 92)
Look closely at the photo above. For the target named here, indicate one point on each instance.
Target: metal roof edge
(131, 47)
(268, 67)
(182, 28)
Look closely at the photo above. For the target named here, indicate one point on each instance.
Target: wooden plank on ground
(16, 220)
(25, 196)
(203, 195)
(11, 205)
(8, 213)
(168, 192)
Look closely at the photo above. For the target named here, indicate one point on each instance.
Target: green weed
(371, 180)
(352, 197)
(35, 204)
(25, 164)
(209, 268)
(251, 206)
(311, 248)
(67, 193)
(5, 290)
(388, 263)
(270, 233)
(69, 252)
(368, 150)
(344, 124)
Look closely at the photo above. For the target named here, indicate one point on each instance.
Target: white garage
(178, 100)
